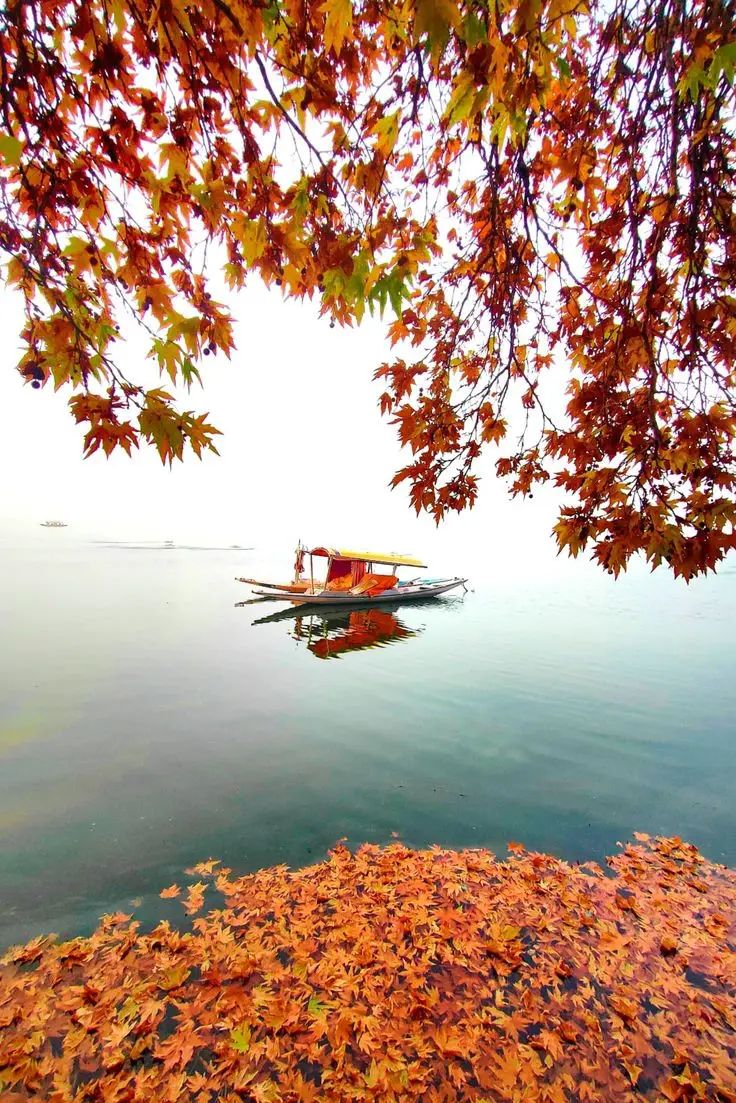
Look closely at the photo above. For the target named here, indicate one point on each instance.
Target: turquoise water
(147, 723)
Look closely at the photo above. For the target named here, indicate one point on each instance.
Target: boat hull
(397, 593)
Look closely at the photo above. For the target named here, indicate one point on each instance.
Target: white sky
(304, 454)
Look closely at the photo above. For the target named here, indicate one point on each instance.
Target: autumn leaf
(316, 1008)
(624, 1007)
(204, 869)
(170, 892)
(338, 23)
(240, 1038)
(194, 898)
(11, 149)
(174, 977)
(436, 18)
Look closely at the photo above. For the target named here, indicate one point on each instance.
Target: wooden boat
(351, 578)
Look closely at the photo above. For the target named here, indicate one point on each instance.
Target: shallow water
(147, 723)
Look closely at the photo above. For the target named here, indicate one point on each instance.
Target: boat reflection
(330, 634)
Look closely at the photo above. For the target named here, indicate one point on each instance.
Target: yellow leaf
(75, 246)
(338, 24)
(240, 1038)
(387, 130)
(252, 237)
(436, 18)
(371, 1077)
(174, 977)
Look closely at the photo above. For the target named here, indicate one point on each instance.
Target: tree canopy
(540, 193)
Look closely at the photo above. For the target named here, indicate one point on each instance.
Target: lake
(147, 722)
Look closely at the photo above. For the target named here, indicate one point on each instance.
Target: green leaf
(333, 283)
(240, 1038)
(271, 15)
(724, 61)
(190, 372)
(473, 30)
(563, 68)
(355, 285)
(691, 82)
(397, 292)
(462, 101)
(10, 149)
(300, 202)
(75, 246)
(316, 1008)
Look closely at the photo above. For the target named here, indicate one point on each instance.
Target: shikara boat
(352, 578)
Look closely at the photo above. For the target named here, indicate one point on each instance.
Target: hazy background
(304, 454)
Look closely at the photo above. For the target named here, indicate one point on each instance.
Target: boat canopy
(368, 557)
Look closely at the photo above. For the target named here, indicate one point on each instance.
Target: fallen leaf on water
(391, 974)
(194, 898)
(203, 869)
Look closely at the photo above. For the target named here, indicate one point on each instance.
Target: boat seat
(343, 582)
(372, 584)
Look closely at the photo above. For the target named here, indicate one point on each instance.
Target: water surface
(147, 723)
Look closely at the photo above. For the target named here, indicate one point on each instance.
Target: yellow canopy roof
(370, 557)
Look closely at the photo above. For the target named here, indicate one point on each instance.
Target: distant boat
(54, 525)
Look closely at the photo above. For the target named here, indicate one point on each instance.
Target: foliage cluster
(536, 188)
(395, 975)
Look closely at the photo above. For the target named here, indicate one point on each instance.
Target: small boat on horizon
(351, 579)
(54, 525)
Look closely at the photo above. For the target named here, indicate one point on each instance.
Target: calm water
(146, 722)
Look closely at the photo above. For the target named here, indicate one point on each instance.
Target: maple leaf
(338, 23)
(204, 869)
(240, 1038)
(436, 18)
(624, 1007)
(11, 149)
(194, 898)
(170, 892)
(174, 977)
